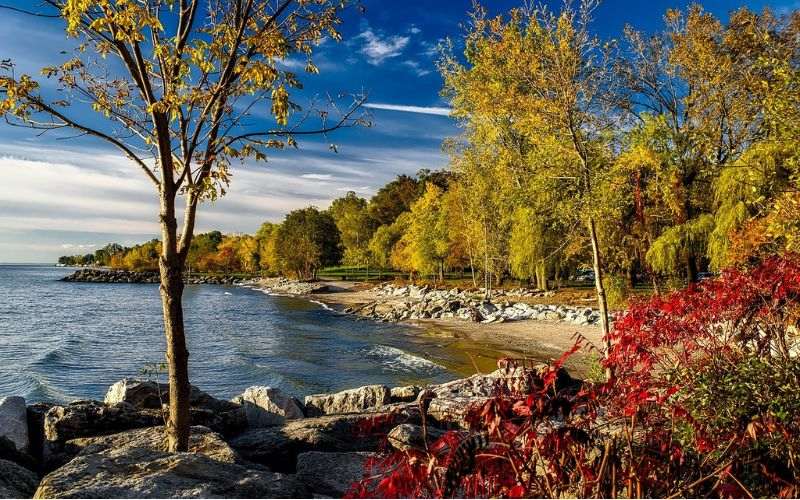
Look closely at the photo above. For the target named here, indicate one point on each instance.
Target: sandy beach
(485, 343)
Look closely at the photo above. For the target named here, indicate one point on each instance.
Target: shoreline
(543, 341)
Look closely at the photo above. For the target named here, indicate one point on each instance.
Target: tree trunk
(177, 355)
(601, 292)
(170, 265)
(691, 268)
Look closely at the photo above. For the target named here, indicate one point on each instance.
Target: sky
(63, 195)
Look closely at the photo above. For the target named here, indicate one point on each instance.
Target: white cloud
(425, 110)
(318, 177)
(414, 30)
(417, 68)
(378, 47)
(68, 246)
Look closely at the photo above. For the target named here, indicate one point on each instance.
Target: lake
(61, 341)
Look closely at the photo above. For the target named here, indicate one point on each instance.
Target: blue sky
(73, 196)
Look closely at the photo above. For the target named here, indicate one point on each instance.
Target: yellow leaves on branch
(280, 105)
(13, 92)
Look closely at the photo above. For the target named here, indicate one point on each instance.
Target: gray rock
(454, 410)
(404, 394)
(411, 436)
(332, 474)
(14, 422)
(265, 406)
(146, 394)
(134, 464)
(278, 447)
(16, 481)
(349, 401)
(90, 418)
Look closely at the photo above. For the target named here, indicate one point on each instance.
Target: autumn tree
(355, 227)
(175, 84)
(543, 75)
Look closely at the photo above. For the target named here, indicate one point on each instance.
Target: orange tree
(175, 84)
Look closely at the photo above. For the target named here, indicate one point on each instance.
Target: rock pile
(262, 444)
(427, 303)
(285, 286)
(90, 275)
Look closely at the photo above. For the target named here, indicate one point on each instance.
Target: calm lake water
(61, 341)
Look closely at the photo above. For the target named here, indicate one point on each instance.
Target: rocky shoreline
(89, 275)
(390, 302)
(261, 444)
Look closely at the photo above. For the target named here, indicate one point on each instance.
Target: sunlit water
(61, 341)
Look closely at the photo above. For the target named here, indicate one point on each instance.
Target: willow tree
(178, 86)
(539, 81)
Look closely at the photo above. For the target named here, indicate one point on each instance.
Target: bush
(703, 402)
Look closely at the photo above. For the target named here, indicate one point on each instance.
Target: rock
(404, 394)
(487, 309)
(16, 481)
(222, 416)
(453, 410)
(410, 436)
(350, 401)
(90, 418)
(139, 393)
(265, 406)
(277, 447)
(332, 474)
(134, 464)
(146, 394)
(14, 422)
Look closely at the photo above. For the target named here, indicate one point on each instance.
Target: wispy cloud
(425, 110)
(378, 47)
(318, 177)
(417, 68)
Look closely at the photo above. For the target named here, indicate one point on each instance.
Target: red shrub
(704, 401)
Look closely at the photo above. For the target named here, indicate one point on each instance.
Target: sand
(538, 340)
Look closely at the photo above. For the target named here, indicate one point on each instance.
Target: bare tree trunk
(171, 271)
(601, 292)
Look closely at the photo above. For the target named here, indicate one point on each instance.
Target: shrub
(703, 401)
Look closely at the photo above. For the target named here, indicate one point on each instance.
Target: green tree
(308, 240)
(355, 227)
(393, 199)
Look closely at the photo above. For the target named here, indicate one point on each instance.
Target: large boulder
(278, 447)
(332, 474)
(266, 406)
(16, 481)
(134, 464)
(91, 418)
(147, 394)
(14, 422)
(350, 401)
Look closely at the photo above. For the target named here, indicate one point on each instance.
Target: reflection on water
(60, 341)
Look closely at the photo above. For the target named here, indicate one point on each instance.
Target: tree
(541, 75)
(393, 199)
(174, 84)
(306, 241)
(267, 238)
(425, 239)
(355, 227)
